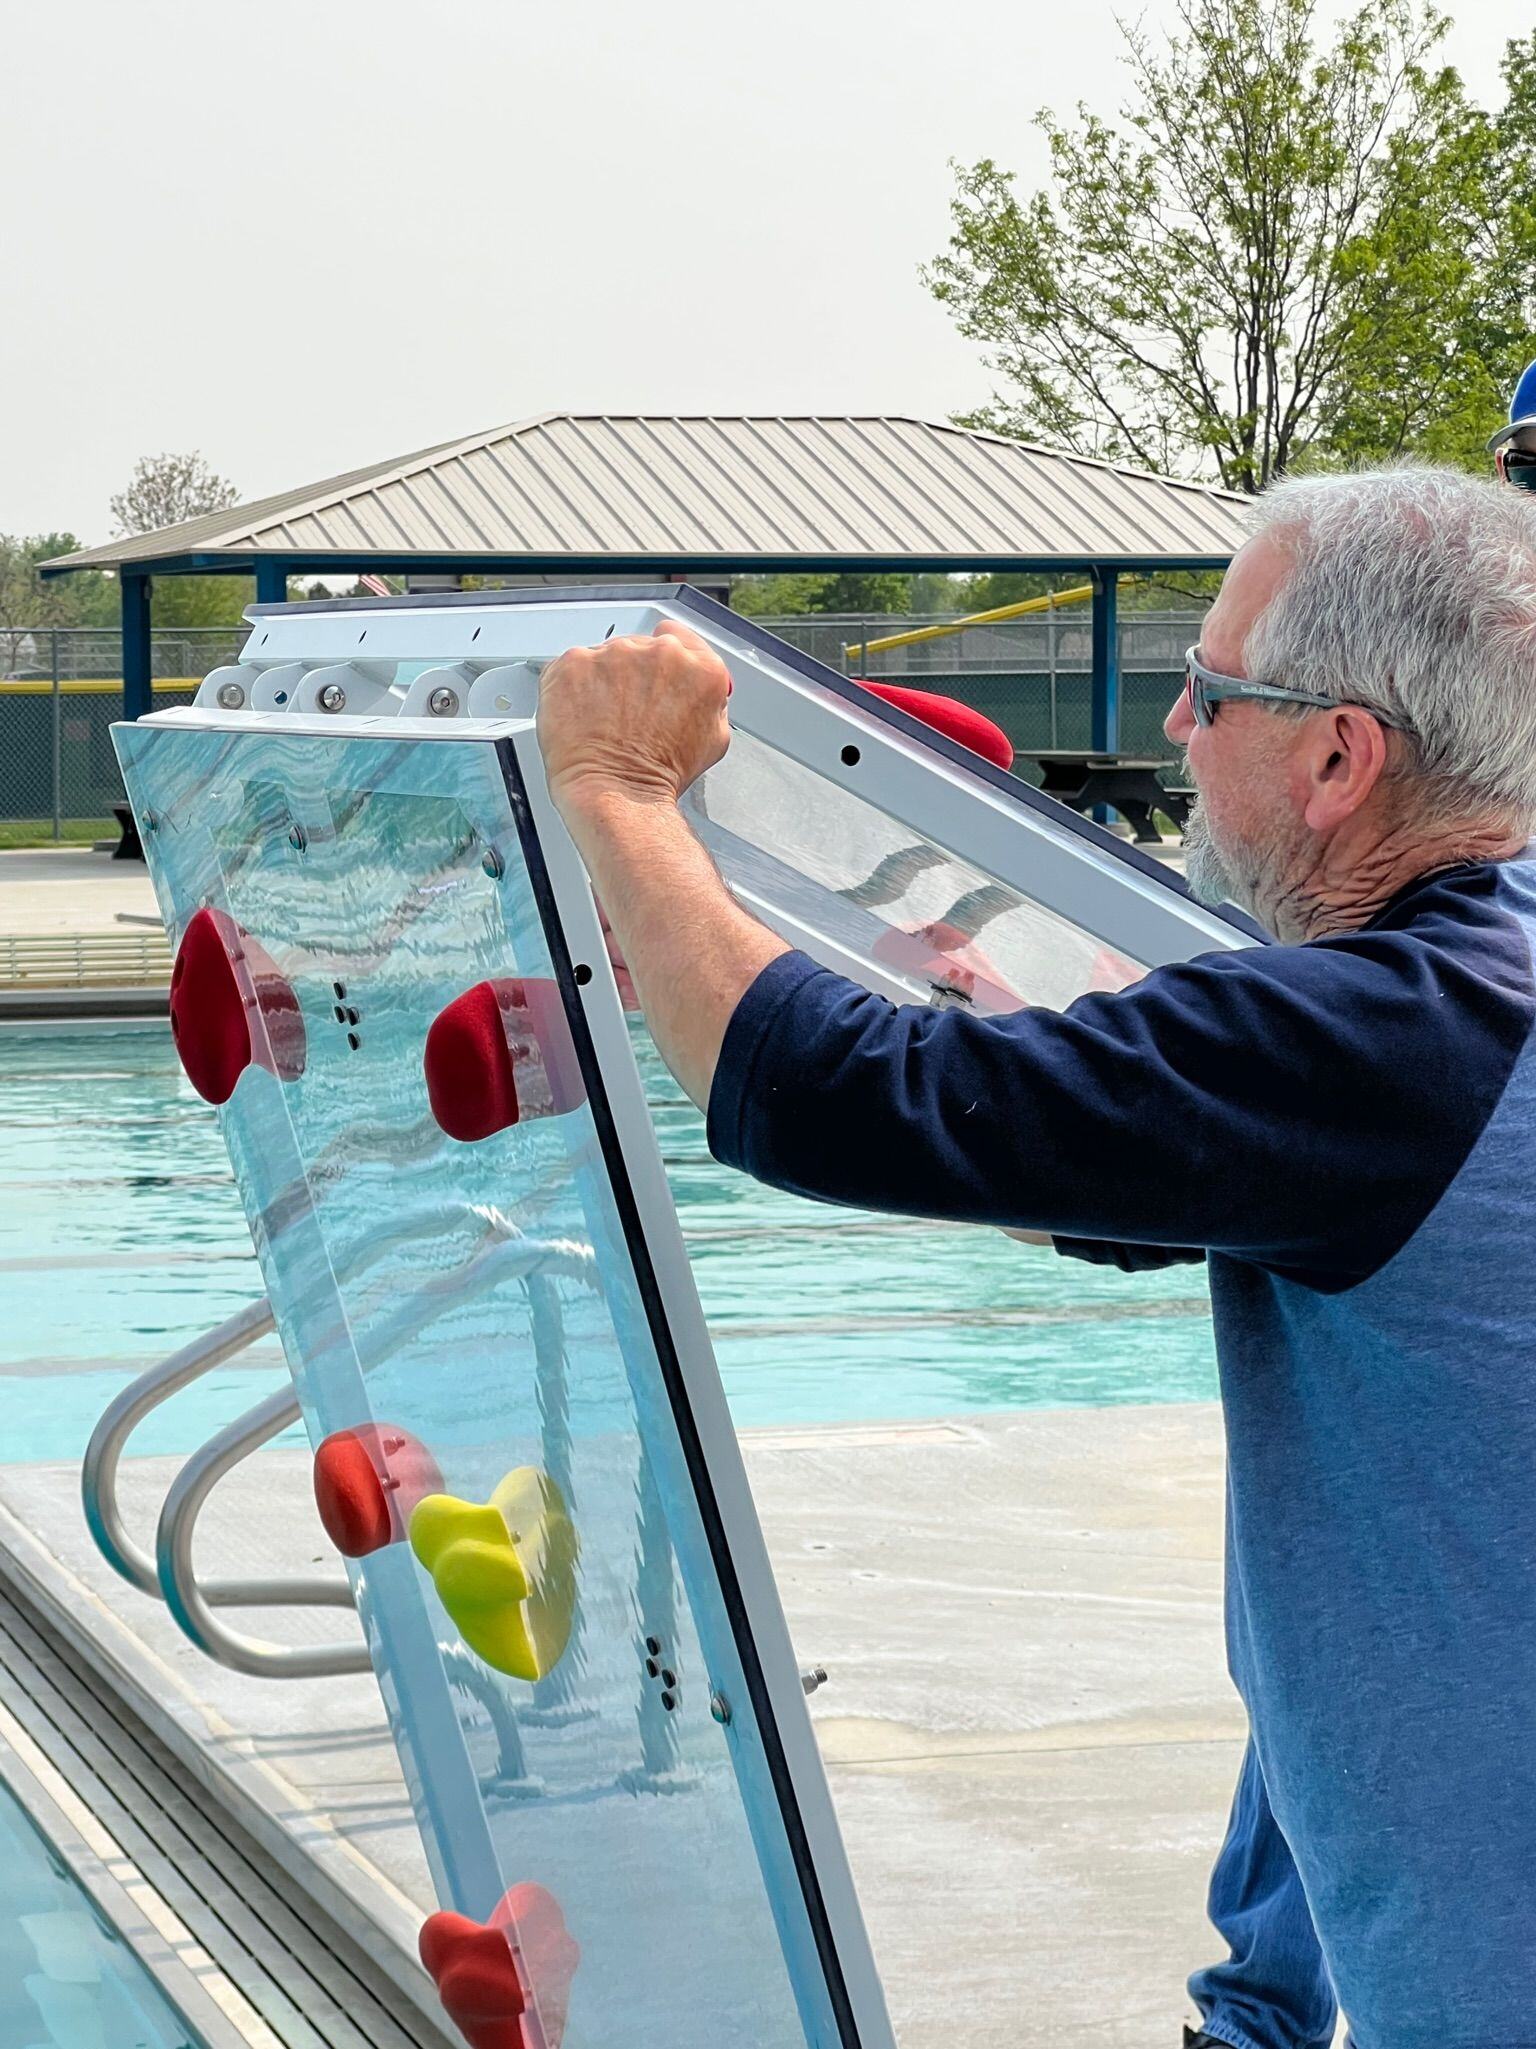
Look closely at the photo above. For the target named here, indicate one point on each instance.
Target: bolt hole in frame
(567, 1493)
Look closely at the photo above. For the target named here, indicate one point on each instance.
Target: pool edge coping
(362, 1901)
(190, 2001)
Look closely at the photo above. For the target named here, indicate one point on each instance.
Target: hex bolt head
(443, 702)
(231, 696)
(720, 1708)
(331, 697)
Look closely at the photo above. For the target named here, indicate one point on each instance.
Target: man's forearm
(690, 948)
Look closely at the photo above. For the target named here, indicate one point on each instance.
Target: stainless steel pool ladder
(168, 1575)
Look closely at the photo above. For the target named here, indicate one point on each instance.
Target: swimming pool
(121, 1238)
(67, 1978)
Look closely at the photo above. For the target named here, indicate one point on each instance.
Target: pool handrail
(168, 1575)
(192, 1605)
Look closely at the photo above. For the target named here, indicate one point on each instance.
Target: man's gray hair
(1414, 593)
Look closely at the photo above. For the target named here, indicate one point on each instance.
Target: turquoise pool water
(67, 1980)
(121, 1237)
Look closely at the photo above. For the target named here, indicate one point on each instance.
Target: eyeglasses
(1516, 466)
(1206, 688)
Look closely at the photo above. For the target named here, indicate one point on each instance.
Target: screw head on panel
(443, 702)
(298, 839)
(331, 697)
(720, 1708)
(148, 821)
(231, 696)
(493, 864)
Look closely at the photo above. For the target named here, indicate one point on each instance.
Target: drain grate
(306, 1983)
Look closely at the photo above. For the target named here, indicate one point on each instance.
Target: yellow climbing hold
(505, 1569)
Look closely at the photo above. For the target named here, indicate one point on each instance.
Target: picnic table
(129, 846)
(1129, 783)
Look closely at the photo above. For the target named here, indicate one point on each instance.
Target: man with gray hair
(1346, 1118)
(1273, 1990)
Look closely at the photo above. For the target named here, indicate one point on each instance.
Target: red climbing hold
(504, 1983)
(949, 960)
(475, 1972)
(230, 1008)
(949, 716)
(548, 1952)
(499, 1054)
(367, 1481)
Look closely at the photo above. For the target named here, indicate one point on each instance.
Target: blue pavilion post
(137, 666)
(271, 583)
(1106, 661)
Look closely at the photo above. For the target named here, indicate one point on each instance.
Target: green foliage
(38, 832)
(761, 597)
(984, 593)
(27, 602)
(1438, 390)
(1282, 251)
(200, 600)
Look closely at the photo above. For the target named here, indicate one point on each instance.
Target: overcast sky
(310, 234)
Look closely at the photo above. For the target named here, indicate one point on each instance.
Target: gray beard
(1210, 878)
(1253, 877)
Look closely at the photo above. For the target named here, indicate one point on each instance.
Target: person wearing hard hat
(1514, 446)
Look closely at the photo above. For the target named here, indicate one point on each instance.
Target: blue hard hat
(1522, 407)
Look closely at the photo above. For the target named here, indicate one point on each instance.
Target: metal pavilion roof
(568, 489)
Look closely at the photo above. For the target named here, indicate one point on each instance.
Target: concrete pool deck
(1028, 1727)
(47, 890)
(72, 889)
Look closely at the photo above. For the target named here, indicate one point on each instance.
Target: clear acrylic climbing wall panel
(903, 911)
(466, 1329)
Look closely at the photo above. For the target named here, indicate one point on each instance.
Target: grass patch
(38, 832)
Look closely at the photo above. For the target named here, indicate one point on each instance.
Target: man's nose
(1180, 722)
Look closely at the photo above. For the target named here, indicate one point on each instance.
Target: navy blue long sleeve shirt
(1344, 1130)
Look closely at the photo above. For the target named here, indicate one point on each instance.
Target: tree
(164, 490)
(193, 601)
(29, 606)
(793, 595)
(1277, 254)
(1440, 392)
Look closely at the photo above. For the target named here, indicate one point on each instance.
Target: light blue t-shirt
(1346, 1131)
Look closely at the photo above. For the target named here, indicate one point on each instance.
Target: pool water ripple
(122, 1237)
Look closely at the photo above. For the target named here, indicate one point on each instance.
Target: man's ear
(1342, 758)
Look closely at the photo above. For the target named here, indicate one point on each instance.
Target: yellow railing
(858, 650)
(83, 686)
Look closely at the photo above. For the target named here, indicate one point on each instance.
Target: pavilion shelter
(696, 498)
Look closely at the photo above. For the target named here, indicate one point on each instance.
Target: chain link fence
(1032, 676)
(61, 689)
